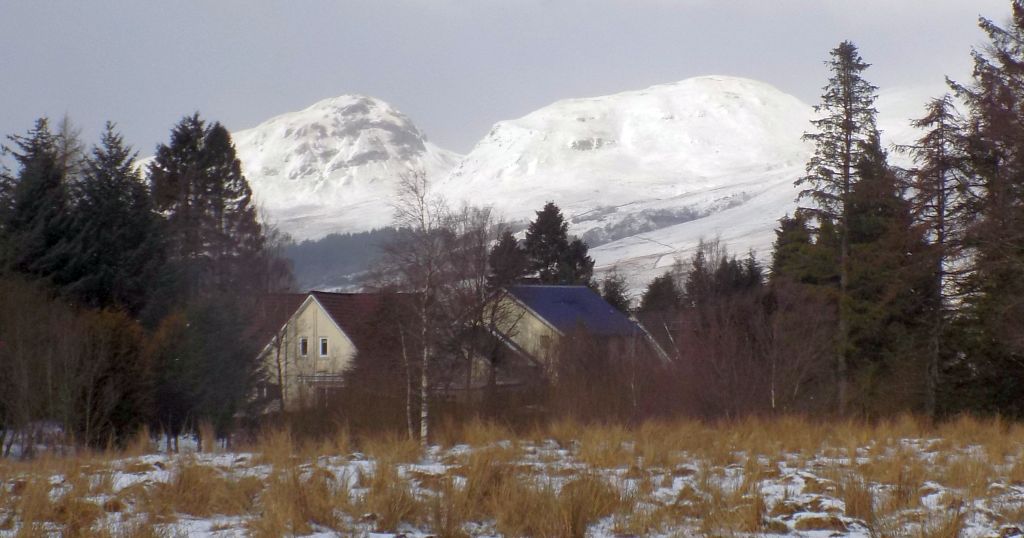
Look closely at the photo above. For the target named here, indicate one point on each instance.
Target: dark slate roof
(568, 308)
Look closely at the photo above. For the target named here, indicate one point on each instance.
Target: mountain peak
(323, 168)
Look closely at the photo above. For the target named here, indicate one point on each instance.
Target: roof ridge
(550, 286)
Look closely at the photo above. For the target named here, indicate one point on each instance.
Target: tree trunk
(935, 338)
(408, 385)
(424, 383)
(842, 364)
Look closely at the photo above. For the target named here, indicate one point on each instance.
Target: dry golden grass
(295, 500)
(389, 499)
(474, 432)
(201, 491)
(684, 476)
(857, 499)
(392, 448)
(605, 447)
(948, 524)
(969, 473)
(275, 447)
(531, 507)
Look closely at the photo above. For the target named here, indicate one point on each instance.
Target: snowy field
(749, 479)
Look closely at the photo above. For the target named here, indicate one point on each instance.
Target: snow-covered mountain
(643, 175)
(333, 166)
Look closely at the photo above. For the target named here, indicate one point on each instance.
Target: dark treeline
(125, 293)
(337, 260)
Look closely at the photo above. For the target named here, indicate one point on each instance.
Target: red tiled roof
(275, 309)
(362, 316)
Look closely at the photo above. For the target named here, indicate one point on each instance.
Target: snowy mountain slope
(644, 174)
(334, 166)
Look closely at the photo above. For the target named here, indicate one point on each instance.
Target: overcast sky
(454, 66)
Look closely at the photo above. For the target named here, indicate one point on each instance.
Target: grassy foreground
(747, 478)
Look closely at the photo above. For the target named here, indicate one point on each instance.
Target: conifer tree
(613, 291)
(576, 266)
(554, 258)
(113, 246)
(792, 239)
(215, 247)
(212, 231)
(994, 145)
(507, 261)
(938, 183)
(661, 295)
(847, 122)
(546, 242)
(888, 291)
(34, 218)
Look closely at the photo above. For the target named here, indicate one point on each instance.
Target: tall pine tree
(994, 291)
(938, 183)
(847, 122)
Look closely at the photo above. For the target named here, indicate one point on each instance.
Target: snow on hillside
(334, 166)
(644, 174)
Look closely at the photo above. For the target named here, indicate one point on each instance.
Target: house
(312, 340)
(537, 321)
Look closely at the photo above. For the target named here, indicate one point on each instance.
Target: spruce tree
(553, 256)
(994, 145)
(792, 237)
(34, 218)
(888, 291)
(113, 247)
(507, 262)
(212, 232)
(805, 256)
(938, 183)
(847, 122)
(661, 295)
(575, 265)
(546, 243)
(613, 291)
(215, 246)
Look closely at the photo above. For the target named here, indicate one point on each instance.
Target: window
(303, 346)
(323, 347)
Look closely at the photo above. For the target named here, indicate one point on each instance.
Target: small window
(323, 347)
(303, 346)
